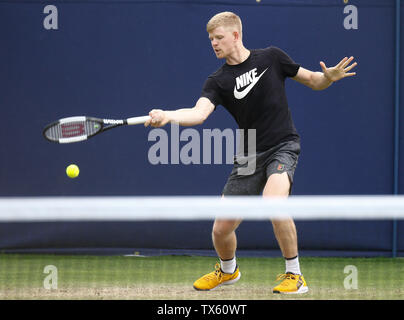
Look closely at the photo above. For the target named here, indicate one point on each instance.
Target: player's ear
(236, 35)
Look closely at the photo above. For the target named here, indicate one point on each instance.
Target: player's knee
(218, 233)
(224, 228)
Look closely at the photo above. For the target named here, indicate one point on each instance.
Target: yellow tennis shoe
(291, 284)
(216, 279)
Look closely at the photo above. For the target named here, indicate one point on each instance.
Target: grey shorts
(250, 173)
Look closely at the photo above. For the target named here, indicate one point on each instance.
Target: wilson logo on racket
(110, 121)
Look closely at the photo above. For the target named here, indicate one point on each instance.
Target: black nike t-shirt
(254, 93)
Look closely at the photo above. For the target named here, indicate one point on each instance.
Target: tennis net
(200, 207)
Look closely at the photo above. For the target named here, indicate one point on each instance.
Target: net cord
(25, 209)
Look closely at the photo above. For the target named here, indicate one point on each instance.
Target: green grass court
(171, 277)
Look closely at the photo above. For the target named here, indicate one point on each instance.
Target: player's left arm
(322, 80)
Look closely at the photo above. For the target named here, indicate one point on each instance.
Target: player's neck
(238, 56)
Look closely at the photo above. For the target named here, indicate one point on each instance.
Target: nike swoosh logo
(241, 94)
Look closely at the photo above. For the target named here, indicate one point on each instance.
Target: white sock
(292, 265)
(228, 266)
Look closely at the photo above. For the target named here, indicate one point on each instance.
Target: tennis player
(251, 86)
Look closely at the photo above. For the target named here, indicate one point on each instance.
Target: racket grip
(137, 120)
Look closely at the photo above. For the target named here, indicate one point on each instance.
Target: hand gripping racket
(75, 129)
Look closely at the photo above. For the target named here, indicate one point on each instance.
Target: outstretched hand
(340, 71)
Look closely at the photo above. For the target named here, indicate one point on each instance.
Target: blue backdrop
(117, 59)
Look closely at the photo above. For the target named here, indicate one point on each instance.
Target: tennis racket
(76, 129)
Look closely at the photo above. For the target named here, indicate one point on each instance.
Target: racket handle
(137, 120)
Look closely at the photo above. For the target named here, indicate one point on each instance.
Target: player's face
(223, 42)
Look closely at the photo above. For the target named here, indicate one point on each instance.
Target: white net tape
(21, 209)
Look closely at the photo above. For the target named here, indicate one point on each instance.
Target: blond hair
(225, 19)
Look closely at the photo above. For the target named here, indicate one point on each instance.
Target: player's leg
(224, 231)
(225, 243)
(278, 185)
(224, 238)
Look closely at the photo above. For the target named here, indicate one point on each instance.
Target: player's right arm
(184, 117)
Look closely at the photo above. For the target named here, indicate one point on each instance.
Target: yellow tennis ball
(72, 171)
